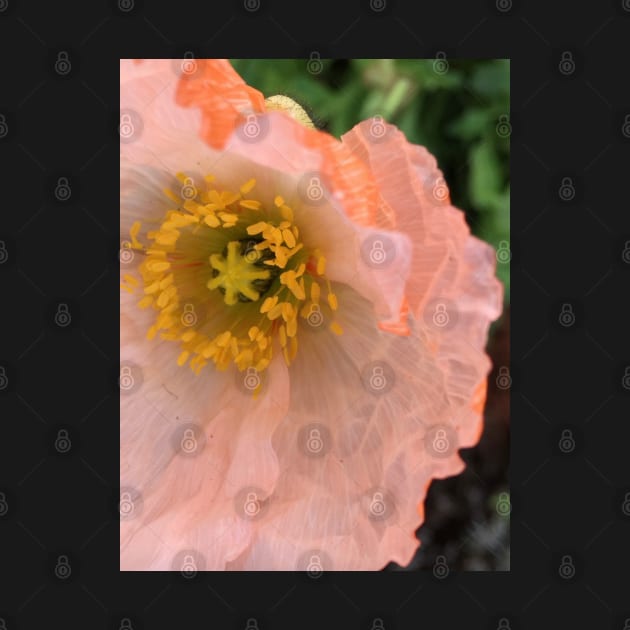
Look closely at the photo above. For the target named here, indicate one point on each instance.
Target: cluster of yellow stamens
(241, 265)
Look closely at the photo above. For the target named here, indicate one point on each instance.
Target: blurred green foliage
(458, 109)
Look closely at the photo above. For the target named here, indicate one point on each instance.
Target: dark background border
(565, 505)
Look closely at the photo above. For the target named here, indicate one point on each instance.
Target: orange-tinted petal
(222, 96)
(415, 198)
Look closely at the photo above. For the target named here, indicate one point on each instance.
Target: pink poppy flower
(303, 325)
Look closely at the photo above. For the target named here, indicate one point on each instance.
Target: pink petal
(415, 196)
(192, 502)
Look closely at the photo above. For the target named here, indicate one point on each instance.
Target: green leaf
(485, 176)
(492, 78)
(471, 124)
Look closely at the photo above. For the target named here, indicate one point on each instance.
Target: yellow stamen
(336, 328)
(133, 232)
(210, 236)
(288, 237)
(189, 335)
(211, 221)
(292, 327)
(247, 186)
(251, 204)
(257, 228)
(157, 265)
(268, 304)
(276, 311)
(288, 312)
(321, 266)
(288, 278)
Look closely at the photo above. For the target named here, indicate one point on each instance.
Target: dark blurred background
(459, 110)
